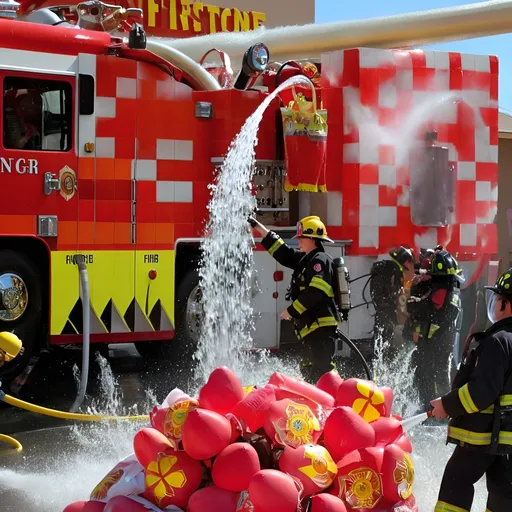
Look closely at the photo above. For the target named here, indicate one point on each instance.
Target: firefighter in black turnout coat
(433, 324)
(480, 408)
(387, 279)
(313, 309)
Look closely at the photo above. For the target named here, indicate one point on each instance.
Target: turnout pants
(319, 352)
(464, 469)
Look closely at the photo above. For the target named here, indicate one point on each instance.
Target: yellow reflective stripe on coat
(505, 401)
(466, 436)
(275, 246)
(321, 322)
(298, 307)
(442, 506)
(478, 438)
(318, 282)
(466, 400)
(433, 329)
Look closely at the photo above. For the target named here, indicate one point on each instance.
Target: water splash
(434, 107)
(63, 465)
(227, 248)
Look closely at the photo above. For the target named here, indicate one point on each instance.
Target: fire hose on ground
(15, 402)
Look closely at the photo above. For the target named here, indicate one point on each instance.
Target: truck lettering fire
(18, 165)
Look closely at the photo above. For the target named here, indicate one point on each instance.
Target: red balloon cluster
(287, 446)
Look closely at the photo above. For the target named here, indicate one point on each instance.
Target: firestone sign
(184, 18)
(18, 165)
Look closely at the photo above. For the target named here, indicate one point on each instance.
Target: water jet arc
(411, 29)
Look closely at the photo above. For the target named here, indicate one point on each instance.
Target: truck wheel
(20, 307)
(188, 318)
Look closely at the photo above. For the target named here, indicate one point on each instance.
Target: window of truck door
(38, 117)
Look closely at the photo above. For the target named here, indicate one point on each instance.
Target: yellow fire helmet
(10, 346)
(312, 227)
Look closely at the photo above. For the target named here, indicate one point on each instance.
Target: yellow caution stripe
(298, 307)
(442, 506)
(327, 321)
(275, 246)
(318, 282)
(466, 400)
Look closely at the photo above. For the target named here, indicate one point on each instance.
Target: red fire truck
(109, 145)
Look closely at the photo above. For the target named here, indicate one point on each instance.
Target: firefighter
(387, 279)
(480, 408)
(420, 288)
(10, 347)
(313, 309)
(434, 332)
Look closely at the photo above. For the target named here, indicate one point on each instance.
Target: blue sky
(337, 10)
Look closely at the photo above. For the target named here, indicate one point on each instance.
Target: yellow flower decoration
(322, 469)
(403, 476)
(163, 479)
(365, 407)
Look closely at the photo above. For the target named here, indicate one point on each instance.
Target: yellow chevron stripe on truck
(123, 297)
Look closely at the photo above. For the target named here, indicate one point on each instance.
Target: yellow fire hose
(16, 445)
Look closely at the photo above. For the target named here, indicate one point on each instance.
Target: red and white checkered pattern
(381, 94)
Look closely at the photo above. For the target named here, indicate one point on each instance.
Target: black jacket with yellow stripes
(311, 288)
(480, 403)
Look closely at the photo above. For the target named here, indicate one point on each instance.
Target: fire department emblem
(317, 267)
(299, 426)
(403, 476)
(67, 179)
(100, 492)
(176, 417)
(361, 488)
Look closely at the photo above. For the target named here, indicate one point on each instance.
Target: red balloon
(172, 478)
(169, 420)
(148, 443)
(273, 491)
(300, 387)
(78, 506)
(330, 383)
(387, 430)
(222, 391)
(346, 431)
(213, 499)
(235, 466)
(124, 504)
(359, 481)
(311, 464)
(254, 406)
(388, 400)
(363, 396)
(404, 442)
(397, 474)
(94, 506)
(205, 434)
(327, 503)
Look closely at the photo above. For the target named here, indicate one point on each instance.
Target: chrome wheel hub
(13, 297)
